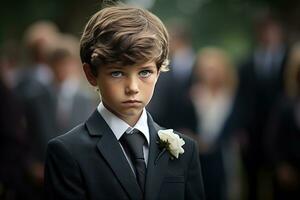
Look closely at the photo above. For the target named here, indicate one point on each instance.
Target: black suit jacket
(88, 163)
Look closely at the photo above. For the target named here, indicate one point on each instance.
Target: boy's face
(125, 91)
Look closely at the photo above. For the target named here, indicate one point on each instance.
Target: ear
(89, 75)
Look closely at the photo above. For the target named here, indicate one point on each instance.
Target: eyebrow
(114, 68)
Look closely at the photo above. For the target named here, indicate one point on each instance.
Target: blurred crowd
(244, 116)
(43, 95)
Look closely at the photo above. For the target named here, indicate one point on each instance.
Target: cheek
(109, 90)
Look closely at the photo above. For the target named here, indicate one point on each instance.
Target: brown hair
(124, 35)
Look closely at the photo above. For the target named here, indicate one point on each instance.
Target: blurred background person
(174, 84)
(211, 115)
(182, 54)
(261, 84)
(72, 103)
(283, 138)
(50, 92)
(38, 39)
(35, 98)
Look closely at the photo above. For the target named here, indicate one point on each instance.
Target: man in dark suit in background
(171, 88)
(261, 84)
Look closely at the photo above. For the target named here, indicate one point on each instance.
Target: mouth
(132, 102)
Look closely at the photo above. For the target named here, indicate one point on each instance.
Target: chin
(133, 112)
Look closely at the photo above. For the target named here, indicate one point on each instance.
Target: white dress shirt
(119, 127)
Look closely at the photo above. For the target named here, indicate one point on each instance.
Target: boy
(120, 152)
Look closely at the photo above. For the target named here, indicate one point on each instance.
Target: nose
(131, 86)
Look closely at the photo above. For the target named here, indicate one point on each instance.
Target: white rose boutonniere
(171, 141)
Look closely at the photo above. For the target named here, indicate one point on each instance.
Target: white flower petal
(175, 142)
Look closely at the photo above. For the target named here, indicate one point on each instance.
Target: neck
(132, 120)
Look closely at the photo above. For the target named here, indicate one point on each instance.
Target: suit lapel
(110, 148)
(157, 163)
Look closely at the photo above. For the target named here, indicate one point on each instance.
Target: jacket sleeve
(194, 189)
(62, 174)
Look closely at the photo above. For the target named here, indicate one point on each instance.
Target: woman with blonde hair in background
(211, 117)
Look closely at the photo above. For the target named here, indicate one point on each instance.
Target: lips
(132, 102)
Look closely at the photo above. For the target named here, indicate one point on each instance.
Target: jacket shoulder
(72, 137)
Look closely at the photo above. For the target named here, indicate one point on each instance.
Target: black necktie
(133, 144)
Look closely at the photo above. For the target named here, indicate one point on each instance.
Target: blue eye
(145, 73)
(116, 74)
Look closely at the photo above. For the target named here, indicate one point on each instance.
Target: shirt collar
(119, 127)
